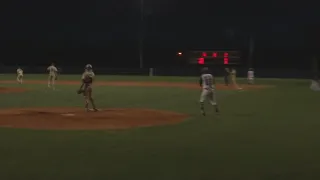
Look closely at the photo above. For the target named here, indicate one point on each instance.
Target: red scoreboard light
(225, 58)
(200, 60)
(214, 54)
(213, 57)
(204, 54)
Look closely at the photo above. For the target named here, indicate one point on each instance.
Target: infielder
(251, 76)
(53, 75)
(207, 83)
(233, 75)
(19, 75)
(86, 87)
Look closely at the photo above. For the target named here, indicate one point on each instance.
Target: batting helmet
(205, 70)
(88, 66)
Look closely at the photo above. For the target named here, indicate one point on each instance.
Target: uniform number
(208, 81)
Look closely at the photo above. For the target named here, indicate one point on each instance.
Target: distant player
(53, 75)
(86, 87)
(251, 76)
(226, 76)
(207, 83)
(315, 85)
(19, 75)
(233, 75)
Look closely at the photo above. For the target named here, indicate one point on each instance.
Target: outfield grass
(260, 134)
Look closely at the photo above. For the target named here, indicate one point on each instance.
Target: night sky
(108, 31)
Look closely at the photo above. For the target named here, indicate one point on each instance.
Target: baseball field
(150, 128)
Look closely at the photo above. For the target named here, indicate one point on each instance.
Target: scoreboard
(212, 57)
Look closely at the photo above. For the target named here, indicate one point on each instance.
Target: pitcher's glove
(80, 91)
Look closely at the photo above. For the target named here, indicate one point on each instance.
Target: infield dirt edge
(4, 90)
(72, 118)
(147, 84)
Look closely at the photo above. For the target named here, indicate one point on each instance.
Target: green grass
(260, 135)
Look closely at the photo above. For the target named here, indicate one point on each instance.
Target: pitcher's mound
(78, 119)
(11, 90)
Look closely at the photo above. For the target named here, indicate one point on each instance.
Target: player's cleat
(203, 112)
(92, 110)
(217, 110)
(95, 110)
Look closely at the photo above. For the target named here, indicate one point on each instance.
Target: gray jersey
(207, 81)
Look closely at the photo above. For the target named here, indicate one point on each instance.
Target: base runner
(53, 75)
(251, 76)
(207, 83)
(19, 75)
(86, 87)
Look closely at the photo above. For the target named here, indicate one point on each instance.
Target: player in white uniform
(233, 75)
(315, 85)
(86, 87)
(53, 74)
(19, 75)
(207, 83)
(251, 76)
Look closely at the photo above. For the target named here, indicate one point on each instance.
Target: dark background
(107, 32)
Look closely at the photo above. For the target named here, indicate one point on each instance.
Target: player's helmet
(205, 70)
(88, 67)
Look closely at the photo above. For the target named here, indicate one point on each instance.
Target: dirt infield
(147, 84)
(68, 118)
(11, 90)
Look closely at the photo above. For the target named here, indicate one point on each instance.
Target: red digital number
(225, 60)
(204, 54)
(225, 54)
(214, 54)
(201, 61)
